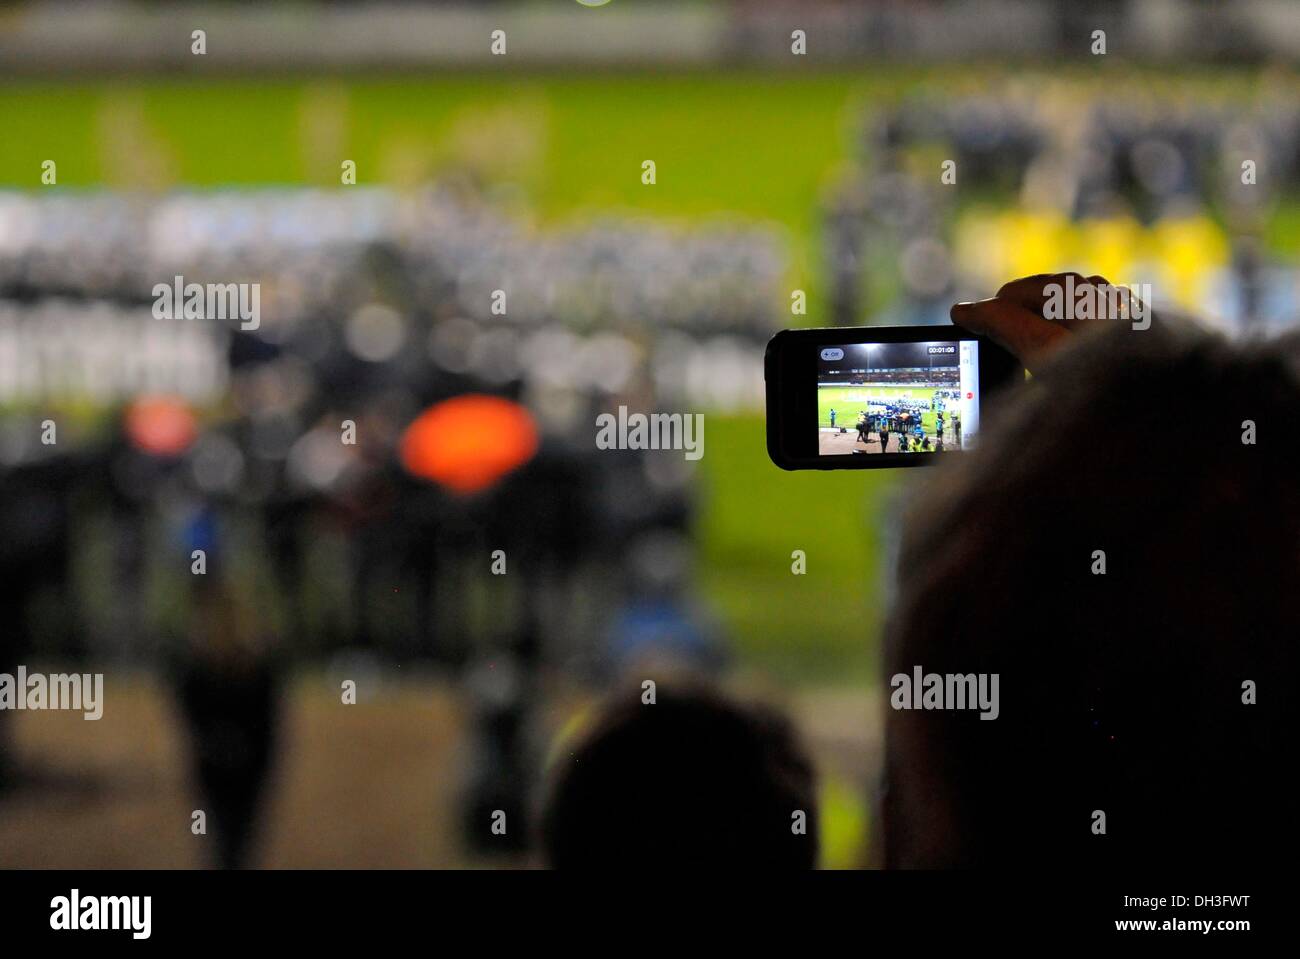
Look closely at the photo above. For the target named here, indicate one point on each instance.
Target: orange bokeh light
(470, 442)
(160, 425)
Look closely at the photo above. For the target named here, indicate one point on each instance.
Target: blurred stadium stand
(75, 36)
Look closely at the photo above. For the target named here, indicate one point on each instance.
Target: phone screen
(913, 398)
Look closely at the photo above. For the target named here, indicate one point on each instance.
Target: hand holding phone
(870, 397)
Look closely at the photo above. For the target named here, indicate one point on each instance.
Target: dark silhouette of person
(228, 689)
(38, 521)
(692, 779)
(1147, 705)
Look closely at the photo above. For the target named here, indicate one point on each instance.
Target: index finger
(1026, 335)
(1033, 292)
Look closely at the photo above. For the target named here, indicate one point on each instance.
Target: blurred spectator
(1128, 693)
(692, 779)
(228, 688)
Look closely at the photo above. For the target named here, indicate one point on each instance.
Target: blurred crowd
(228, 501)
(1175, 191)
(375, 306)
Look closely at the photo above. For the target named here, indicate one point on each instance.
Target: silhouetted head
(691, 779)
(1128, 588)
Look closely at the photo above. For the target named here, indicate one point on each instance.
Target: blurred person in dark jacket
(1136, 602)
(228, 688)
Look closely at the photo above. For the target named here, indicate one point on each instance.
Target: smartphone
(878, 396)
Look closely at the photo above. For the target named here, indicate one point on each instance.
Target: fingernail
(961, 310)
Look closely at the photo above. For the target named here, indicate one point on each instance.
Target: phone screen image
(912, 398)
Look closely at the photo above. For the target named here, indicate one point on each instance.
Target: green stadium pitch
(848, 401)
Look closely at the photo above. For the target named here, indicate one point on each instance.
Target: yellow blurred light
(1190, 250)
